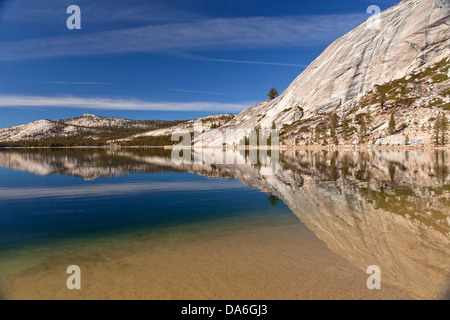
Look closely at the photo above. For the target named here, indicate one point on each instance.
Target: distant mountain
(397, 62)
(162, 136)
(85, 130)
(93, 130)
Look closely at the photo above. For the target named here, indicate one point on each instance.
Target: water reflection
(390, 209)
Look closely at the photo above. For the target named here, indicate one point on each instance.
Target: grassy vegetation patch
(446, 92)
(150, 141)
(304, 129)
(440, 77)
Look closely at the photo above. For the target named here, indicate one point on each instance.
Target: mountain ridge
(95, 130)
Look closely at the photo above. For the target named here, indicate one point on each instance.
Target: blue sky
(159, 59)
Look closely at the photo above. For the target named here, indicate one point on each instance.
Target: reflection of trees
(440, 168)
(319, 162)
(345, 166)
(363, 172)
(387, 181)
(391, 168)
(273, 200)
(334, 167)
(407, 202)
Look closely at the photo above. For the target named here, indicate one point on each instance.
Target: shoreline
(282, 148)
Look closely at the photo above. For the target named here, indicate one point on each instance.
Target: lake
(141, 226)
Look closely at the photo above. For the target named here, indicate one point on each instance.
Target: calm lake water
(142, 227)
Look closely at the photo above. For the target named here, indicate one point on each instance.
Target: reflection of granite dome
(390, 209)
(412, 34)
(409, 238)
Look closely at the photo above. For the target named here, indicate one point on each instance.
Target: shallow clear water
(140, 226)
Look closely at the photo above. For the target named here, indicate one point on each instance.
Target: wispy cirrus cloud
(236, 33)
(201, 92)
(100, 190)
(115, 104)
(94, 12)
(254, 62)
(75, 82)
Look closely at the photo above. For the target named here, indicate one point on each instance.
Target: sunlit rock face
(390, 209)
(411, 35)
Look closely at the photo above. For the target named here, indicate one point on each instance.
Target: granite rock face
(412, 35)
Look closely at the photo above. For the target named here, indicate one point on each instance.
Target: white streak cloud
(113, 189)
(202, 92)
(76, 82)
(115, 104)
(230, 33)
(255, 62)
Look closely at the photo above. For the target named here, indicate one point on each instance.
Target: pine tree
(392, 127)
(437, 130)
(360, 119)
(335, 140)
(444, 129)
(345, 127)
(369, 118)
(383, 101)
(320, 130)
(317, 133)
(273, 93)
(334, 124)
